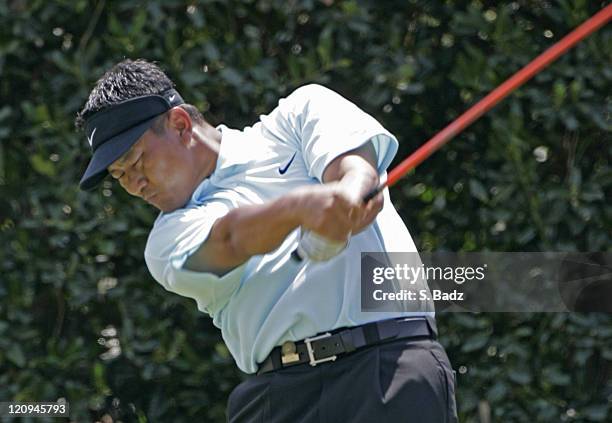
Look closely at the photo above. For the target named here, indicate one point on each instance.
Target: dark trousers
(409, 380)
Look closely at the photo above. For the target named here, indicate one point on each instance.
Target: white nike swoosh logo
(90, 138)
(171, 98)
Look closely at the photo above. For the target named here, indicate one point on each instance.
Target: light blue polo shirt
(271, 298)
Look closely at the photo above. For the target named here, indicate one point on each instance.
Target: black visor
(112, 131)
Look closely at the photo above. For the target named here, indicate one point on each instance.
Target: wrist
(293, 207)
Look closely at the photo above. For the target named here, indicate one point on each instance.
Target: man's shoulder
(311, 90)
(184, 226)
(153, 247)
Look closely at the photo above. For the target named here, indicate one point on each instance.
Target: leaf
(211, 52)
(591, 193)
(523, 331)
(575, 179)
(520, 376)
(15, 355)
(553, 375)
(598, 413)
(478, 190)
(475, 342)
(325, 45)
(5, 112)
(42, 166)
(525, 236)
(232, 76)
(497, 392)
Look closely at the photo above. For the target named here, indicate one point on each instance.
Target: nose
(134, 183)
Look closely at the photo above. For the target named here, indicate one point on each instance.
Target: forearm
(259, 229)
(355, 173)
(244, 232)
(355, 170)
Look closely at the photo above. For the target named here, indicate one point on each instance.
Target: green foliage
(80, 317)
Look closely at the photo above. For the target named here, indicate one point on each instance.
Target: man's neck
(208, 145)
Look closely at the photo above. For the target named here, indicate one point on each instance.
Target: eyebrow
(110, 168)
(121, 160)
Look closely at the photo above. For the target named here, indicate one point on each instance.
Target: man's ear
(180, 121)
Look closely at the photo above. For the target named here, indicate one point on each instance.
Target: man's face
(159, 169)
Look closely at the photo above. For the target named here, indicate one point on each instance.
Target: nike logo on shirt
(282, 170)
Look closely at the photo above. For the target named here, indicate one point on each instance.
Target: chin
(167, 206)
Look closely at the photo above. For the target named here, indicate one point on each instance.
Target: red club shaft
(519, 78)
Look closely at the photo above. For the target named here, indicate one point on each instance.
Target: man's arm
(356, 174)
(333, 210)
(244, 232)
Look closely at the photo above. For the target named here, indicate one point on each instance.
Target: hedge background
(81, 319)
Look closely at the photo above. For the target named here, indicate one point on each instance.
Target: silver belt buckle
(308, 342)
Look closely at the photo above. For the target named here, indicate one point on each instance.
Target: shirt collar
(233, 153)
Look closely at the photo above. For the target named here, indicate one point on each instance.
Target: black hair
(126, 80)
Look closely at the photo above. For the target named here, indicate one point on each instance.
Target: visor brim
(110, 151)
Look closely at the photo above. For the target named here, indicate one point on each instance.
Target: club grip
(373, 193)
(317, 248)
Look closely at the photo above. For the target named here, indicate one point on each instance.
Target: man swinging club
(234, 206)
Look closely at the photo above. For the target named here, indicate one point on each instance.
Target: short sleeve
(174, 237)
(324, 125)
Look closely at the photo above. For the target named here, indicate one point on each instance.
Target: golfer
(235, 204)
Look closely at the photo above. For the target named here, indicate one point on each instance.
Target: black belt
(330, 345)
